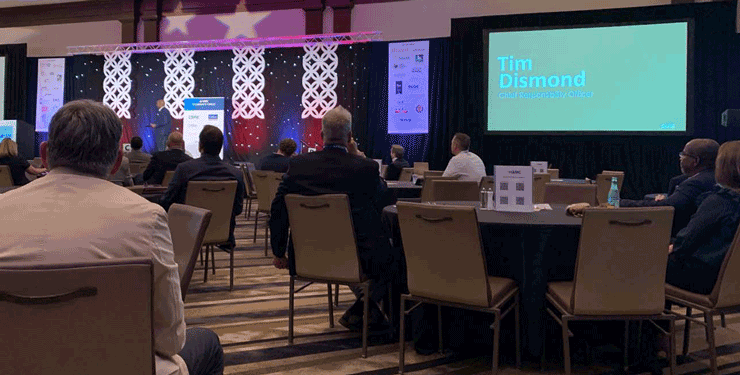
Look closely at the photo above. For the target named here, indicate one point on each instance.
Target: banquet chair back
(553, 172)
(564, 193)
(429, 234)
(724, 293)
(433, 174)
(247, 174)
(405, 175)
(167, 178)
(136, 168)
(266, 184)
(630, 246)
(217, 197)
(604, 183)
(451, 190)
(426, 189)
(6, 179)
(420, 167)
(538, 187)
(81, 318)
(188, 227)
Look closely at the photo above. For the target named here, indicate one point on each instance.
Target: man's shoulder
(704, 180)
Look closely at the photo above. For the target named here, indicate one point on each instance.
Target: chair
(553, 172)
(420, 167)
(406, 174)
(251, 193)
(136, 168)
(604, 183)
(188, 226)
(538, 187)
(81, 318)
(426, 189)
(564, 193)
(6, 179)
(325, 250)
(724, 298)
(456, 278)
(487, 182)
(433, 173)
(217, 197)
(451, 190)
(619, 273)
(167, 178)
(266, 184)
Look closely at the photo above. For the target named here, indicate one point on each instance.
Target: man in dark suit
(697, 165)
(334, 170)
(398, 163)
(278, 162)
(162, 125)
(208, 167)
(168, 160)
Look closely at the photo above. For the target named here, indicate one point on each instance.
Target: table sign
(539, 166)
(513, 188)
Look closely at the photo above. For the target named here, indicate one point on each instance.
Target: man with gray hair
(335, 170)
(74, 215)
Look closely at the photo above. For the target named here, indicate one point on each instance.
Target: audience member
(136, 156)
(18, 166)
(208, 167)
(278, 162)
(398, 163)
(465, 165)
(123, 174)
(699, 249)
(167, 160)
(73, 214)
(162, 125)
(697, 164)
(336, 170)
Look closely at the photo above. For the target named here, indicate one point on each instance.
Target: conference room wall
(52, 40)
(432, 18)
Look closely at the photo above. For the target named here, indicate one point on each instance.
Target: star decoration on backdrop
(178, 21)
(241, 24)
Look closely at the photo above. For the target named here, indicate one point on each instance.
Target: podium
(22, 133)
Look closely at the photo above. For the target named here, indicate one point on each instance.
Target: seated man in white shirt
(465, 165)
(74, 214)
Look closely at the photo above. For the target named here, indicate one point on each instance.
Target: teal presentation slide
(617, 78)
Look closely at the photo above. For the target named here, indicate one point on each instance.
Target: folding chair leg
(686, 328)
(205, 273)
(402, 336)
(626, 344)
(496, 336)
(231, 270)
(722, 321)
(566, 347)
(200, 255)
(256, 217)
(710, 338)
(331, 307)
(291, 296)
(672, 345)
(267, 233)
(517, 333)
(439, 328)
(336, 295)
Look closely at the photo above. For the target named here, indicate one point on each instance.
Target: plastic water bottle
(483, 198)
(613, 197)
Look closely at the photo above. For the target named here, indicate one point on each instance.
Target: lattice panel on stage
(248, 82)
(179, 83)
(319, 79)
(117, 82)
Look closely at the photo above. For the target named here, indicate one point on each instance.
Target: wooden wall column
(342, 15)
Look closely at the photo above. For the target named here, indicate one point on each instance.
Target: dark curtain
(16, 84)
(648, 161)
(417, 146)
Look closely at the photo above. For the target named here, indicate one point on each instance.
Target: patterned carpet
(252, 322)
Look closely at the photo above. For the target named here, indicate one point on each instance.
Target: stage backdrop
(246, 139)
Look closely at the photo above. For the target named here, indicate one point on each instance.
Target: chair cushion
(561, 292)
(500, 287)
(676, 292)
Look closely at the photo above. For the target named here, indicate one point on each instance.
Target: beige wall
(233, 26)
(414, 19)
(52, 40)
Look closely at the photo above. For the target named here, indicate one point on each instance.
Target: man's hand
(660, 197)
(280, 263)
(153, 125)
(670, 248)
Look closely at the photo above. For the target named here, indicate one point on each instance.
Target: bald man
(697, 165)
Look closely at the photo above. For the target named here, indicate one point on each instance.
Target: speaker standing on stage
(162, 125)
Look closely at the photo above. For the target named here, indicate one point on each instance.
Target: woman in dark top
(699, 250)
(18, 166)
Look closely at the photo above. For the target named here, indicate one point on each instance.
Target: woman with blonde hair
(18, 165)
(699, 250)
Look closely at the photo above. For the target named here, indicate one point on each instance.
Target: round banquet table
(532, 248)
